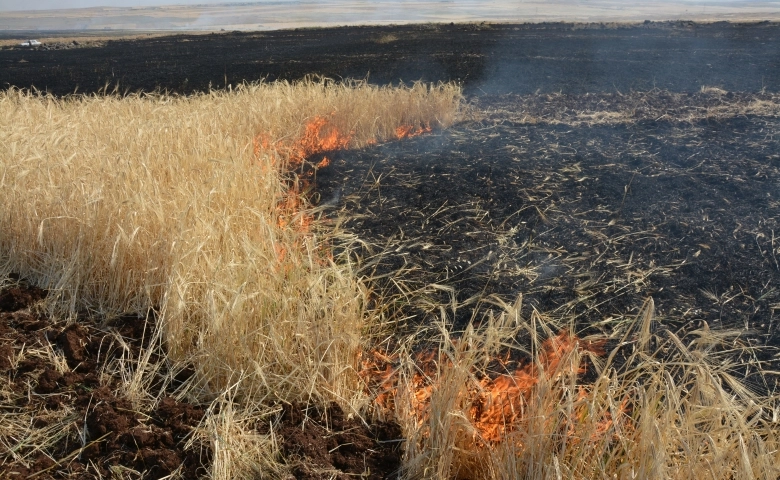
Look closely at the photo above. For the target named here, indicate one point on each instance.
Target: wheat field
(125, 204)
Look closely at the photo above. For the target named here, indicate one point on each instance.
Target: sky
(21, 5)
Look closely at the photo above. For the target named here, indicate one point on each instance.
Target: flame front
(319, 136)
(496, 404)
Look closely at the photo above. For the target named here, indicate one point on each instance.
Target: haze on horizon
(204, 15)
(15, 5)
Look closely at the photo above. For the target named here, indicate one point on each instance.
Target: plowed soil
(65, 415)
(322, 443)
(598, 165)
(67, 412)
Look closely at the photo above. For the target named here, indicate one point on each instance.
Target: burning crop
(651, 406)
(319, 135)
(302, 156)
(408, 131)
(496, 403)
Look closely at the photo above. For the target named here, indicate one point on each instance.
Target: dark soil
(326, 445)
(95, 431)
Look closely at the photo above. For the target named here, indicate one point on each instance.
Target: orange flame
(496, 403)
(319, 136)
(408, 131)
(499, 404)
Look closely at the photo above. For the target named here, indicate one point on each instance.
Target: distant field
(281, 15)
(483, 58)
(84, 38)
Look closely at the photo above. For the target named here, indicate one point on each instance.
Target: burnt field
(596, 165)
(486, 59)
(585, 204)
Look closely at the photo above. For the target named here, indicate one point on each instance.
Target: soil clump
(324, 443)
(66, 416)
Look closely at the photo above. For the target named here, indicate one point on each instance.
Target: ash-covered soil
(585, 205)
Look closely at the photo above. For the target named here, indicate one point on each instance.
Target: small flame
(408, 131)
(319, 136)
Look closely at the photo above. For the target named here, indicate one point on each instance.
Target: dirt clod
(71, 341)
(328, 444)
(18, 298)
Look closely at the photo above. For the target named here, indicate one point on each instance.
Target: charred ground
(585, 205)
(492, 59)
(593, 170)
